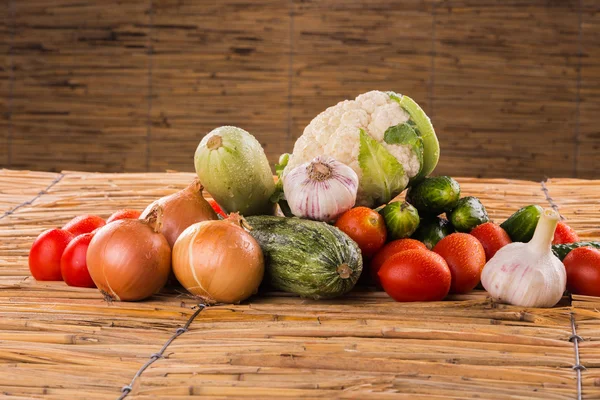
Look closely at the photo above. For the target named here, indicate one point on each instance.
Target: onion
(219, 261)
(181, 210)
(130, 259)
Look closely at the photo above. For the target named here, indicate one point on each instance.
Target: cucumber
(234, 169)
(521, 225)
(309, 258)
(432, 230)
(468, 213)
(401, 219)
(432, 196)
(561, 250)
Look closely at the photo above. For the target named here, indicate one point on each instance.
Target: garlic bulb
(321, 189)
(528, 274)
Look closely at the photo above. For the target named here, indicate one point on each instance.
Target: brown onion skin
(181, 210)
(128, 260)
(227, 260)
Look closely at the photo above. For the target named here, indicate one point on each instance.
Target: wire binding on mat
(40, 194)
(575, 339)
(549, 199)
(125, 390)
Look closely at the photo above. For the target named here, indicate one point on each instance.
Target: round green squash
(234, 169)
(401, 219)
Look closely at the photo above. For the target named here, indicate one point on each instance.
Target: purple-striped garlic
(321, 189)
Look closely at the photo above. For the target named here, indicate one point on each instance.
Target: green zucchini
(432, 196)
(521, 225)
(561, 250)
(432, 230)
(468, 213)
(309, 258)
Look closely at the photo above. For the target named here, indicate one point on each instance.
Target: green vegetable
(561, 250)
(309, 258)
(401, 219)
(423, 127)
(434, 195)
(468, 213)
(404, 134)
(521, 225)
(278, 196)
(432, 230)
(233, 168)
(383, 176)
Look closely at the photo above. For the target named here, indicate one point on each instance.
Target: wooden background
(512, 86)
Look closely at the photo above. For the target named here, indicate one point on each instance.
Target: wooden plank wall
(513, 87)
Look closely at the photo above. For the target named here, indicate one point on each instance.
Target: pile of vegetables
(329, 221)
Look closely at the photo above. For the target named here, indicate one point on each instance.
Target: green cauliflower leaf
(383, 177)
(405, 134)
(423, 127)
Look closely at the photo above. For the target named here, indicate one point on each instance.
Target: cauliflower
(384, 137)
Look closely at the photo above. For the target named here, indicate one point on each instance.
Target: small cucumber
(521, 225)
(401, 219)
(309, 258)
(468, 213)
(435, 195)
(431, 231)
(561, 250)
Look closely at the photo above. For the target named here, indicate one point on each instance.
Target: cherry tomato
(217, 208)
(394, 247)
(465, 257)
(366, 227)
(84, 224)
(45, 253)
(124, 214)
(564, 234)
(583, 271)
(73, 265)
(415, 275)
(492, 237)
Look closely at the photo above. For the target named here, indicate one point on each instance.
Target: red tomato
(45, 253)
(124, 214)
(465, 257)
(84, 224)
(415, 275)
(393, 247)
(583, 271)
(73, 265)
(366, 227)
(492, 237)
(217, 208)
(564, 234)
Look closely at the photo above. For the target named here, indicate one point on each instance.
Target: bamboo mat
(58, 342)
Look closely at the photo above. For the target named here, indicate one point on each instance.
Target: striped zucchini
(309, 258)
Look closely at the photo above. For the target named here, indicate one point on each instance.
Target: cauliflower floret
(336, 133)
